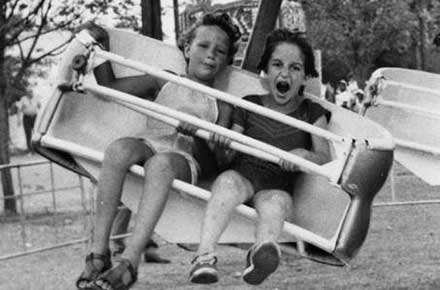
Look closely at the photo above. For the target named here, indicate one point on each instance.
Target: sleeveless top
(163, 137)
(264, 174)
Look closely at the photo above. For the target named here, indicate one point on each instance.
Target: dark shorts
(264, 175)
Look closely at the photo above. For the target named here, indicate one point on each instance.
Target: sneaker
(117, 248)
(261, 261)
(204, 270)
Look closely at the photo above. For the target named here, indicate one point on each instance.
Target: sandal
(91, 272)
(115, 274)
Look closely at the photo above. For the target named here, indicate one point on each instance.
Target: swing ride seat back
(74, 129)
(408, 105)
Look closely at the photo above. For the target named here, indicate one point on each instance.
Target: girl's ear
(186, 48)
(264, 81)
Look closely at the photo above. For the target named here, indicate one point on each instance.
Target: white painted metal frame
(194, 191)
(252, 146)
(381, 82)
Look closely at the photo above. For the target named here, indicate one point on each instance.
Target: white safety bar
(151, 70)
(200, 132)
(307, 166)
(192, 190)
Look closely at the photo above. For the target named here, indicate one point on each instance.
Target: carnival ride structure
(407, 103)
(332, 201)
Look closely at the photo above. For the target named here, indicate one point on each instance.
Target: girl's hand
(219, 140)
(186, 128)
(287, 165)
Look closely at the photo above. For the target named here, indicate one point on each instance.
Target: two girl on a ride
(167, 154)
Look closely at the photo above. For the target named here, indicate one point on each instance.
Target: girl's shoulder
(315, 110)
(257, 99)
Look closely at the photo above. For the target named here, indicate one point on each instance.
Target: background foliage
(360, 36)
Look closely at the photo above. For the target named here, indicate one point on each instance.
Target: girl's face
(207, 54)
(285, 72)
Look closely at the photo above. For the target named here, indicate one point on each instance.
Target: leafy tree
(359, 36)
(23, 26)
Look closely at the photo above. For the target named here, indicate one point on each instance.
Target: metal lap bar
(220, 95)
(201, 133)
(308, 166)
(327, 245)
(417, 146)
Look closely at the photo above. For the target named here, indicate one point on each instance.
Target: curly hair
(283, 35)
(220, 19)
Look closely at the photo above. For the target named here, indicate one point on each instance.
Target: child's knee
(274, 200)
(231, 182)
(123, 153)
(168, 164)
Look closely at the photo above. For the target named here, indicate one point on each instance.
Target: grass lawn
(401, 250)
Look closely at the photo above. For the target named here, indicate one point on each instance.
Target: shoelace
(207, 258)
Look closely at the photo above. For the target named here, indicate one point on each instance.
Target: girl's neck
(206, 83)
(289, 107)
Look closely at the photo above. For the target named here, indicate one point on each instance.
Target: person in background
(329, 92)
(27, 109)
(360, 97)
(352, 84)
(344, 98)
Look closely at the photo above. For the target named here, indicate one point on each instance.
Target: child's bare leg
(229, 190)
(118, 158)
(160, 171)
(273, 207)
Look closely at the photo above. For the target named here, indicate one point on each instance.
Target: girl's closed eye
(297, 68)
(276, 64)
(221, 51)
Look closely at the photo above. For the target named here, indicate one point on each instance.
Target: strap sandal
(114, 276)
(91, 271)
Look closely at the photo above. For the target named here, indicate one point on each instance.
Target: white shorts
(193, 164)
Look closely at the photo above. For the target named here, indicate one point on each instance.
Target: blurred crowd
(346, 93)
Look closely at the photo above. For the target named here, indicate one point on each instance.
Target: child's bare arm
(224, 114)
(319, 153)
(143, 86)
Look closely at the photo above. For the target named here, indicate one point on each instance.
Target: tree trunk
(265, 22)
(176, 18)
(6, 178)
(151, 21)
(421, 42)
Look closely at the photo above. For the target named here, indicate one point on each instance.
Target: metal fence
(26, 198)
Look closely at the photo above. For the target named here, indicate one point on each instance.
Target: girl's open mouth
(282, 87)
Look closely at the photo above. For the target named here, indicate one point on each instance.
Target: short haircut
(283, 35)
(220, 19)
